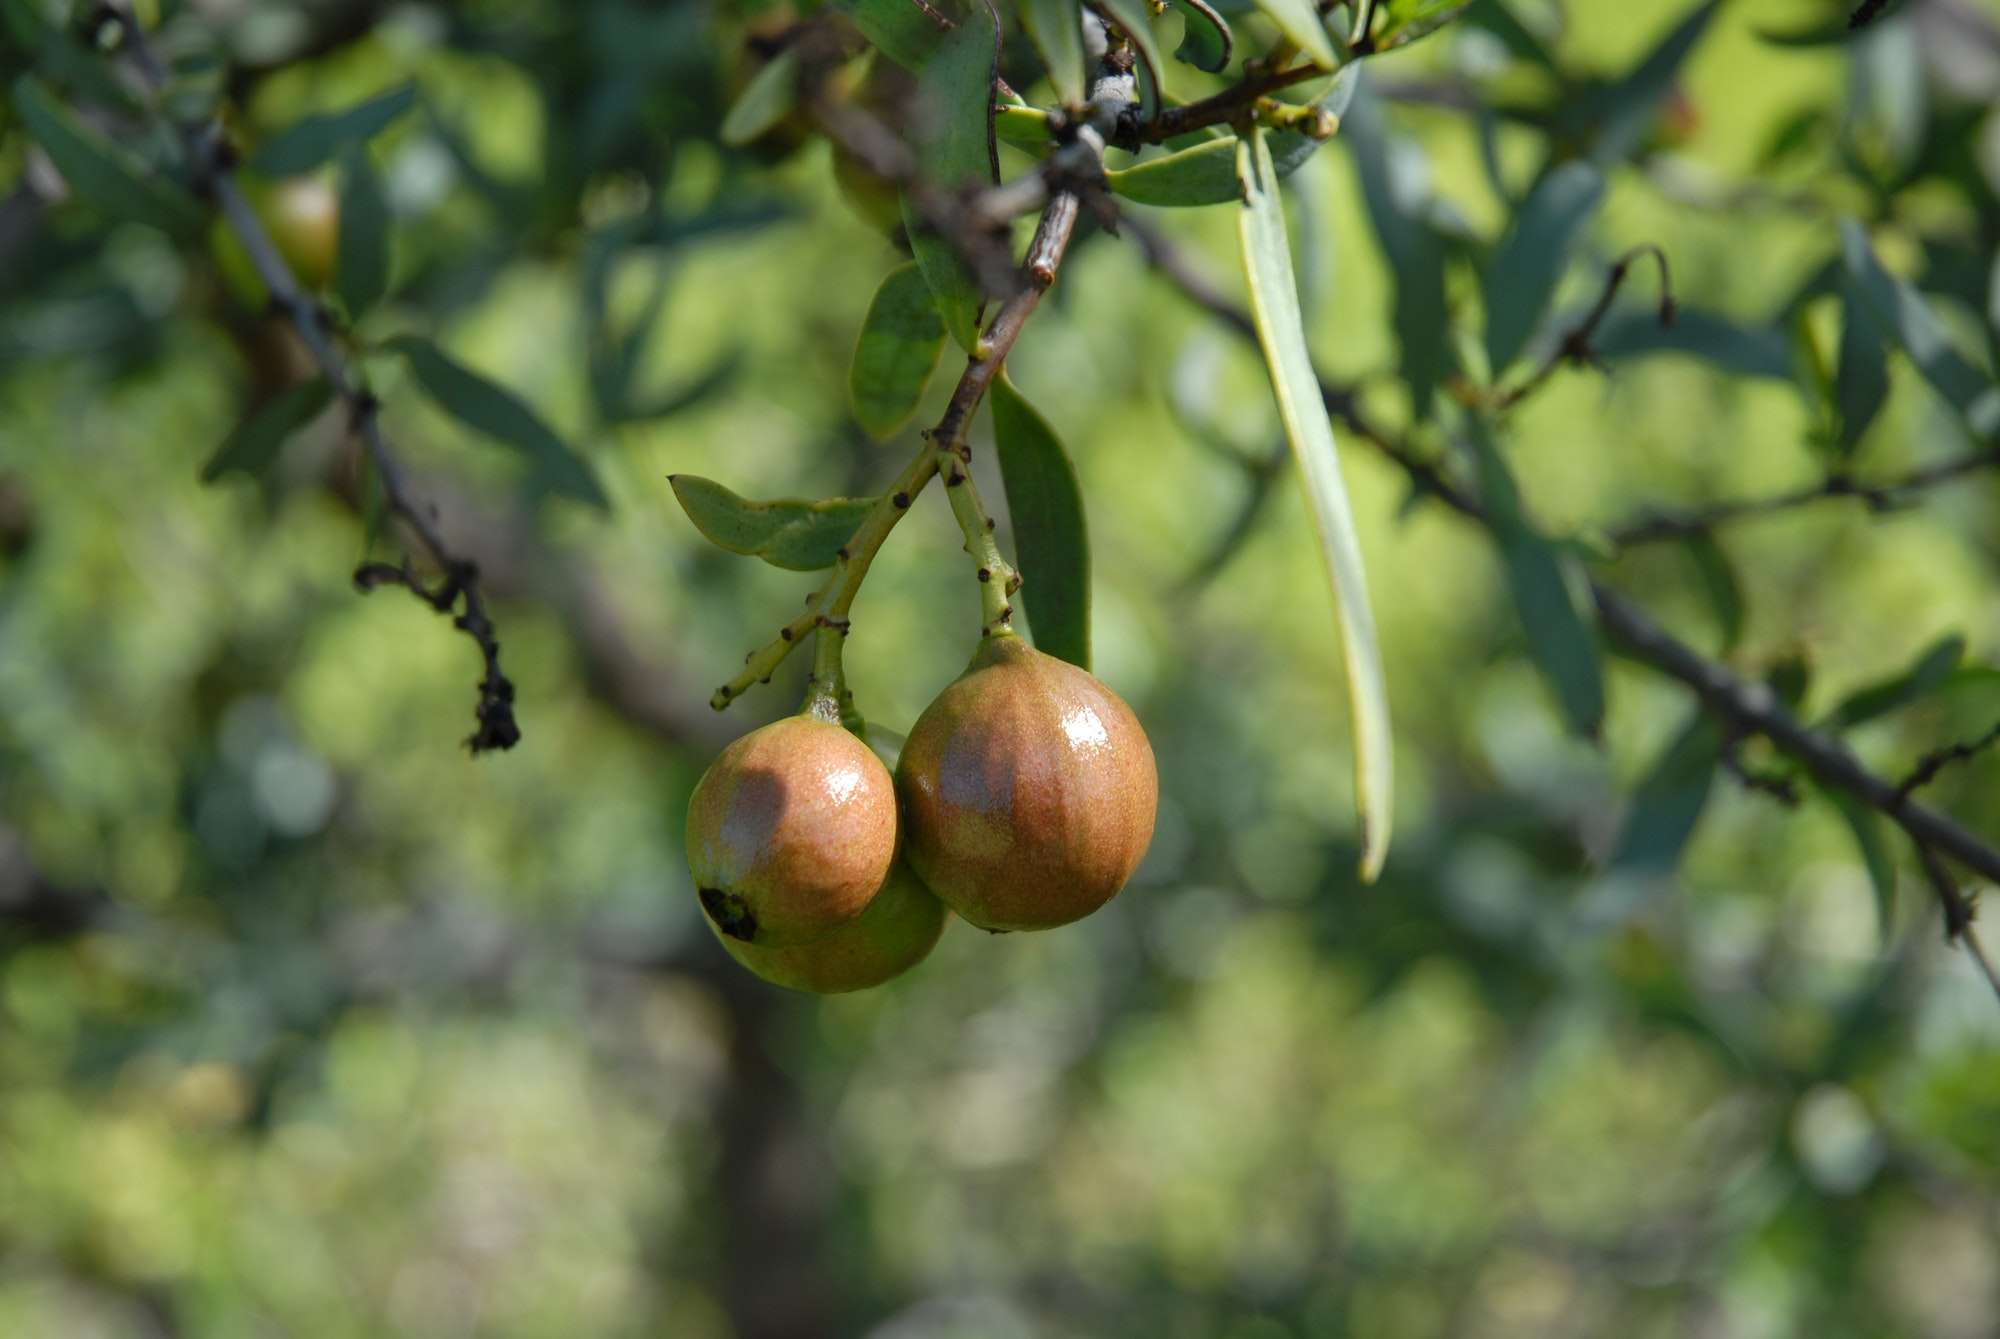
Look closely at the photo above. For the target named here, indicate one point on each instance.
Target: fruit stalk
(829, 605)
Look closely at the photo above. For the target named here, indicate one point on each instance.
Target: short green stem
(997, 578)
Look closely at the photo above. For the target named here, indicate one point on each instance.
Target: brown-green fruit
(1028, 790)
(302, 215)
(790, 832)
(895, 933)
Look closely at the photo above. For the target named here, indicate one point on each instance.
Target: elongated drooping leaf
(1522, 278)
(903, 30)
(1914, 326)
(1931, 671)
(1861, 385)
(896, 353)
(1274, 301)
(1622, 113)
(792, 533)
(98, 170)
(958, 150)
(766, 100)
(1560, 638)
(361, 275)
(1206, 42)
(1668, 803)
(497, 413)
(315, 141)
(1866, 825)
(1056, 27)
(1406, 21)
(1719, 583)
(1051, 536)
(255, 444)
(1299, 20)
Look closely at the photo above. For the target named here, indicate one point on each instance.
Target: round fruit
(302, 214)
(790, 832)
(1028, 791)
(895, 933)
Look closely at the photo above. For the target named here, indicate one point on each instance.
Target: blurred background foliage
(311, 1025)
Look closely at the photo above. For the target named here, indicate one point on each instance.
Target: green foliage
(98, 170)
(895, 353)
(362, 270)
(317, 140)
(1050, 530)
(256, 443)
(792, 533)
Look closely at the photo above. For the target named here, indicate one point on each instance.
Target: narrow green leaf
(792, 533)
(1668, 803)
(1719, 584)
(1540, 577)
(1056, 28)
(1274, 302)
(1206, 41)
(1930, 671)
(99, 171)
(1407, 21)
(1861, 384)
(1497, 19)
(1202, 175)
(1742, 350)
(1023, 127)
(1399, 212)
(766, 100)
(1904, 313)
(903, 30)
(257, 441)
(1866, 825)
(1623, 112)
(958, 150)
(361, 273)
(957, 293)
(316, 140)
(895, 354)
(1050, 531)
(497, 413)
(1522, 278)
(1299, 20)
(1135, 20)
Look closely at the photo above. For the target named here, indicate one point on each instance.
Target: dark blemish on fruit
(730, 913)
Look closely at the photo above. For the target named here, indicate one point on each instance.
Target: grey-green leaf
(1930, 671)
(766, 100)
(1866, 826)
(1206, 41)
(1406, 21)
(1910, 320)
(1522, 277)
(1299, 20)
(1623, 112)
(361, 275)
(1719, 584)
(316, 140)
(1274, 303)
(257, 441)
(1668, 803)
(1051, 535)
(1861, 383)
(1541, 580)
(903, 30)
(792, 533)
(895, 354)
(100, 171)
(1056, 27)
(955, 89)
(497, 413)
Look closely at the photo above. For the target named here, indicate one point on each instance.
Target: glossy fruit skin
(791, 832)
(1029, 791)
(897, 931)
(302, 214)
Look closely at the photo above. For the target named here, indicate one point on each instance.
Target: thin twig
(1958, 913)
(1576, 346)
(1655, 525)
(211, 163)
(1934, 762)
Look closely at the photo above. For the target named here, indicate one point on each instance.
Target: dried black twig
(1934, 762)
(1576, 346)
(211, 163)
